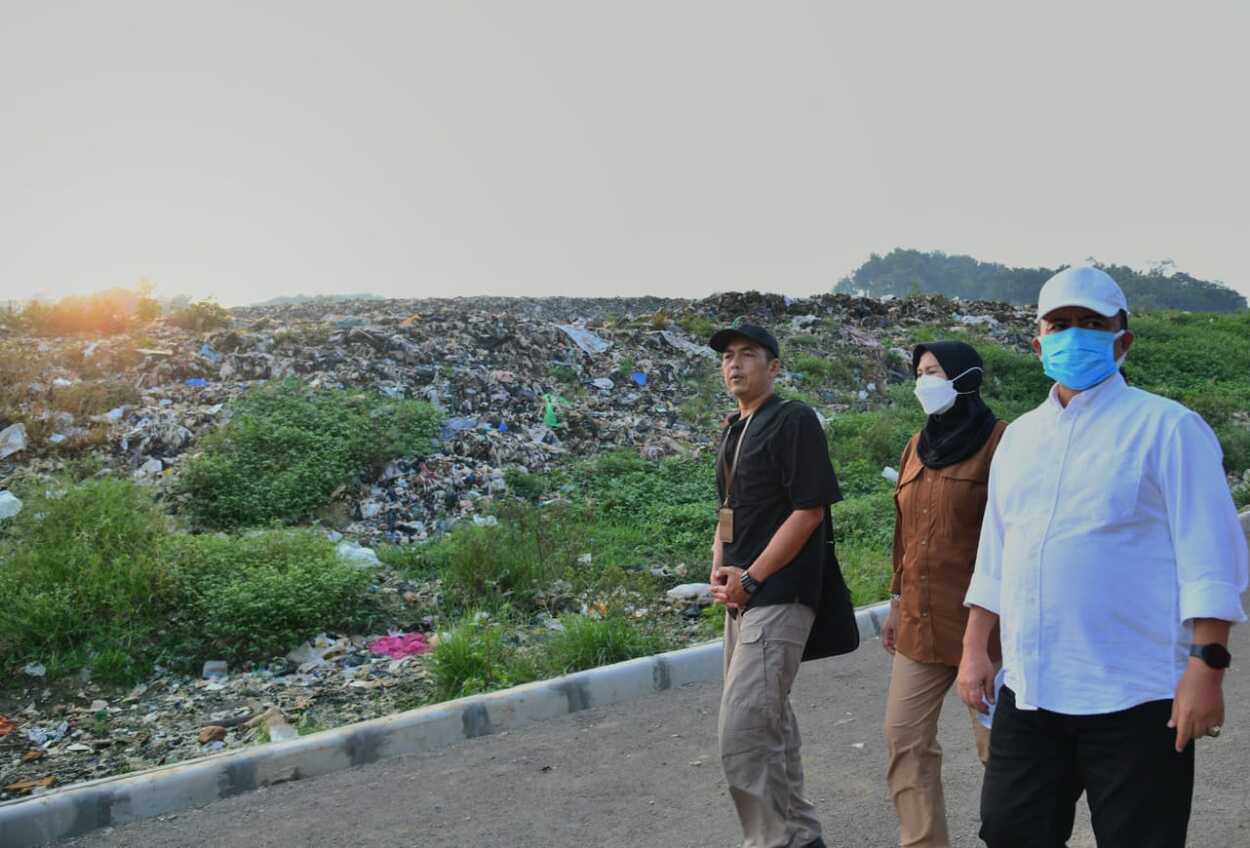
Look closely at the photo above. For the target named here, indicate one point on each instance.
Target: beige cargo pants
(914, 774)
(759, 737)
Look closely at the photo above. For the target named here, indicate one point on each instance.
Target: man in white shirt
(1112, 556)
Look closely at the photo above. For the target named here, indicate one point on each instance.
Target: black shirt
(784, 465)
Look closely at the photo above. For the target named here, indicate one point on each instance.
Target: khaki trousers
(914, 773)
(759, 737)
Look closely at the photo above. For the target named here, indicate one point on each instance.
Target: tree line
(902, 272)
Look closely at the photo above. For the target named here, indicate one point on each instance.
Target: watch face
(1216, 655)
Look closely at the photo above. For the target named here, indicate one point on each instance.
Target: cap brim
(1102, 307)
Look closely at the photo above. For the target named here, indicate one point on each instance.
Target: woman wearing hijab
(939, 504)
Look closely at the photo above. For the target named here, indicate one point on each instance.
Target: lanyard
(733, 471)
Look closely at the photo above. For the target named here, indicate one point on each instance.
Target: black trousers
(1139, 789)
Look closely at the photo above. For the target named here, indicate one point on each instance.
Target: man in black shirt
(775, 484)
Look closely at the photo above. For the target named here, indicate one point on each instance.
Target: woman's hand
(889, 632)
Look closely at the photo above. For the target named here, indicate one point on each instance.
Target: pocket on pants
(746, 706)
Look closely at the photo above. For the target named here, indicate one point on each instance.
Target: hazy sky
(244, 150)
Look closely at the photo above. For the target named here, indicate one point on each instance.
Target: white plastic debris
(35, 670)
(686, 345)
(584, 339)
(890, 474)
(358, 554)
(10, 505)
(698, 593)
(12, 440)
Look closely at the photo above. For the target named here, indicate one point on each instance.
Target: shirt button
(924, 613)
(924, 577)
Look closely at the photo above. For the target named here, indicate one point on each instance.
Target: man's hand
(730, 591)
(1199, 702)
(889, 633)
(976, 679)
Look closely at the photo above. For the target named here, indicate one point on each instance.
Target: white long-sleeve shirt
(1108, 527)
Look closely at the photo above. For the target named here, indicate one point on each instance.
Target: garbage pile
(524, 384)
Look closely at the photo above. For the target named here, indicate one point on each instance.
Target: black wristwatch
(1215, 655)
(749, 583)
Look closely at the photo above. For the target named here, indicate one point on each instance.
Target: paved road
(645, 773)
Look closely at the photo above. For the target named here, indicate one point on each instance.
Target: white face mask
(937, 395)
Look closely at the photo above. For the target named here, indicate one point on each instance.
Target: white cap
(1085, 286)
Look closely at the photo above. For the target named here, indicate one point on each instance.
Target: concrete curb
(113, 801)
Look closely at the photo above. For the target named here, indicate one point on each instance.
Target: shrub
(511, 562)
(815, 368)
(200, 316)
(94, 398)
(81, 575)
(103, 313)
(672, 500)
(287, 448)
(475, 657)
(589, 642)
(258, 595)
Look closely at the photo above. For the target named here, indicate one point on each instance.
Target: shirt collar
(1091, 399)
(736, 417)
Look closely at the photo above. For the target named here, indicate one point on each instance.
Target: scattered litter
(35, 670)
(399, 645)
(10, 505)
(687, 346)
(584, 339)
(215, 669)
(696, 593)
(196, 382)
(358, 554)
(890, 474)
(12, 440)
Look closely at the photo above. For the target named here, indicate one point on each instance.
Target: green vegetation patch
(585, 642)
(288, 447)
(82, 578)
(94, 576)
(256, 595)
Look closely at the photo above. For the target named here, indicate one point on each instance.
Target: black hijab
(960, 431)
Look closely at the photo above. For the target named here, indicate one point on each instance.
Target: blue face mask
(1079, 358)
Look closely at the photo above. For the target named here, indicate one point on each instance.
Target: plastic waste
(196, 382)
(890, 474)
(399, 645)
(12, 440)
(358, 554)
(639, 378)
(10, 505)
(584, 339)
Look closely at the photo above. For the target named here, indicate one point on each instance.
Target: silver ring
(1214, 731)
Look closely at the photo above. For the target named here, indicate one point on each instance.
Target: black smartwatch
(1215, 655)
(749, 583)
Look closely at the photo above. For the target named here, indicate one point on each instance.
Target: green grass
(288, 447)
(81, 575)
(589, 642)
(257, 595)
(94, 576)
(476, 656)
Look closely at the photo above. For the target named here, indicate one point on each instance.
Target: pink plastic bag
(400, 645)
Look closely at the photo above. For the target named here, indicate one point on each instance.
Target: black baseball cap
(721, 338)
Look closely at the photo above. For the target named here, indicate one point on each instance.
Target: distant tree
(902, 272)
